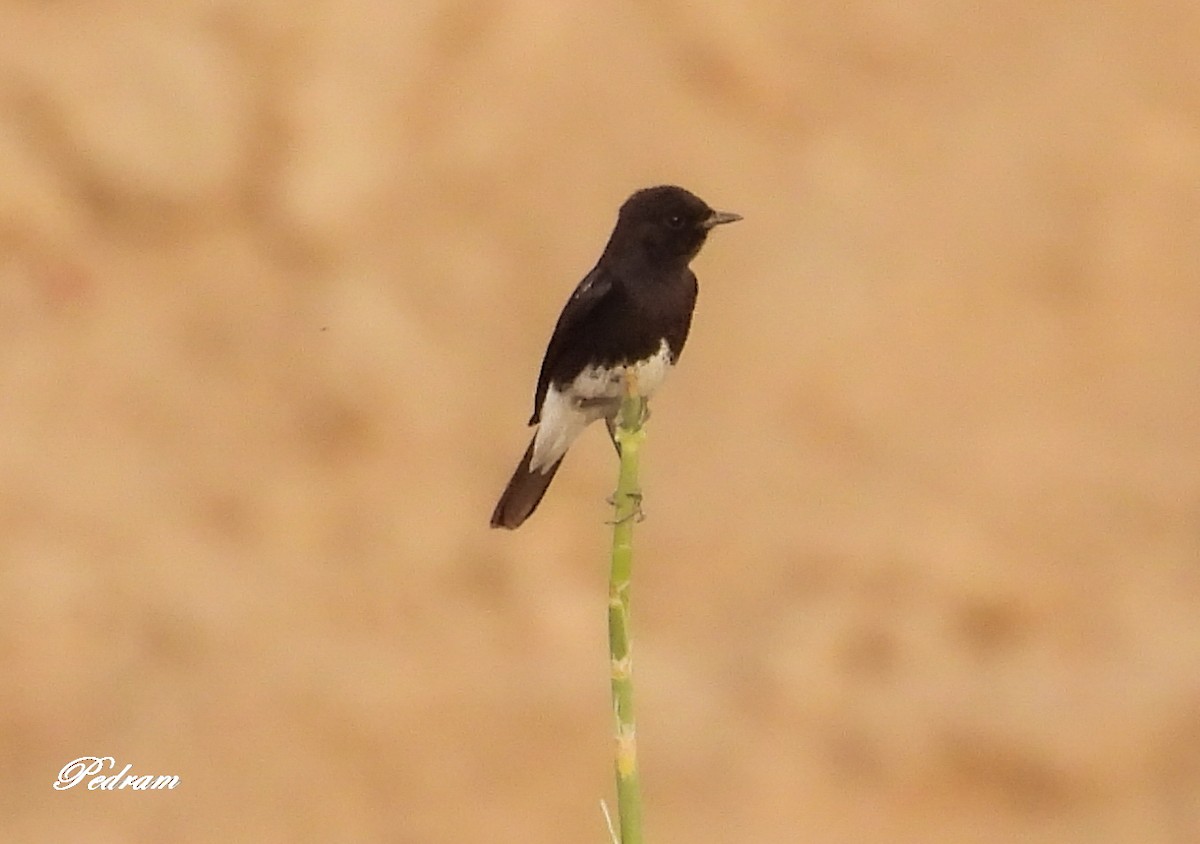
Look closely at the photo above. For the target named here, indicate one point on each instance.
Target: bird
(633, 310)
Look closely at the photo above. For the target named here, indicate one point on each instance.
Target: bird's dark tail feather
(523, 493)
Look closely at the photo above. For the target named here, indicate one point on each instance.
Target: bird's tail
(523, 493)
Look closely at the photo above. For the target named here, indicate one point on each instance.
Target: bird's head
(663, 226)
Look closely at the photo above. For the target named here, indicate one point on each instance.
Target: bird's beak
(717, 218)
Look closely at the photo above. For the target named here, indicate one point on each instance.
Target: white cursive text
(74, 772)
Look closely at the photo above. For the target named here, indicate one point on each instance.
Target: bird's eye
(675, 222)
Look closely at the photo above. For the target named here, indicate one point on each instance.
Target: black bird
(633, 309)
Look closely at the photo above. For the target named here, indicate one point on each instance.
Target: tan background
(921, 562)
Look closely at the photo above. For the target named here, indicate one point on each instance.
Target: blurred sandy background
(922, 561)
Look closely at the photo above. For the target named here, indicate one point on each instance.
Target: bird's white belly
(595, 393)
(599, 383)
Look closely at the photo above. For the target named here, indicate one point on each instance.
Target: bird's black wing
(595, 287)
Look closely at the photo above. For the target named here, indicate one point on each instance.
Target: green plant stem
(627, 509)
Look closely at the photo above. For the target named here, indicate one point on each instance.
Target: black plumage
(633, 309)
